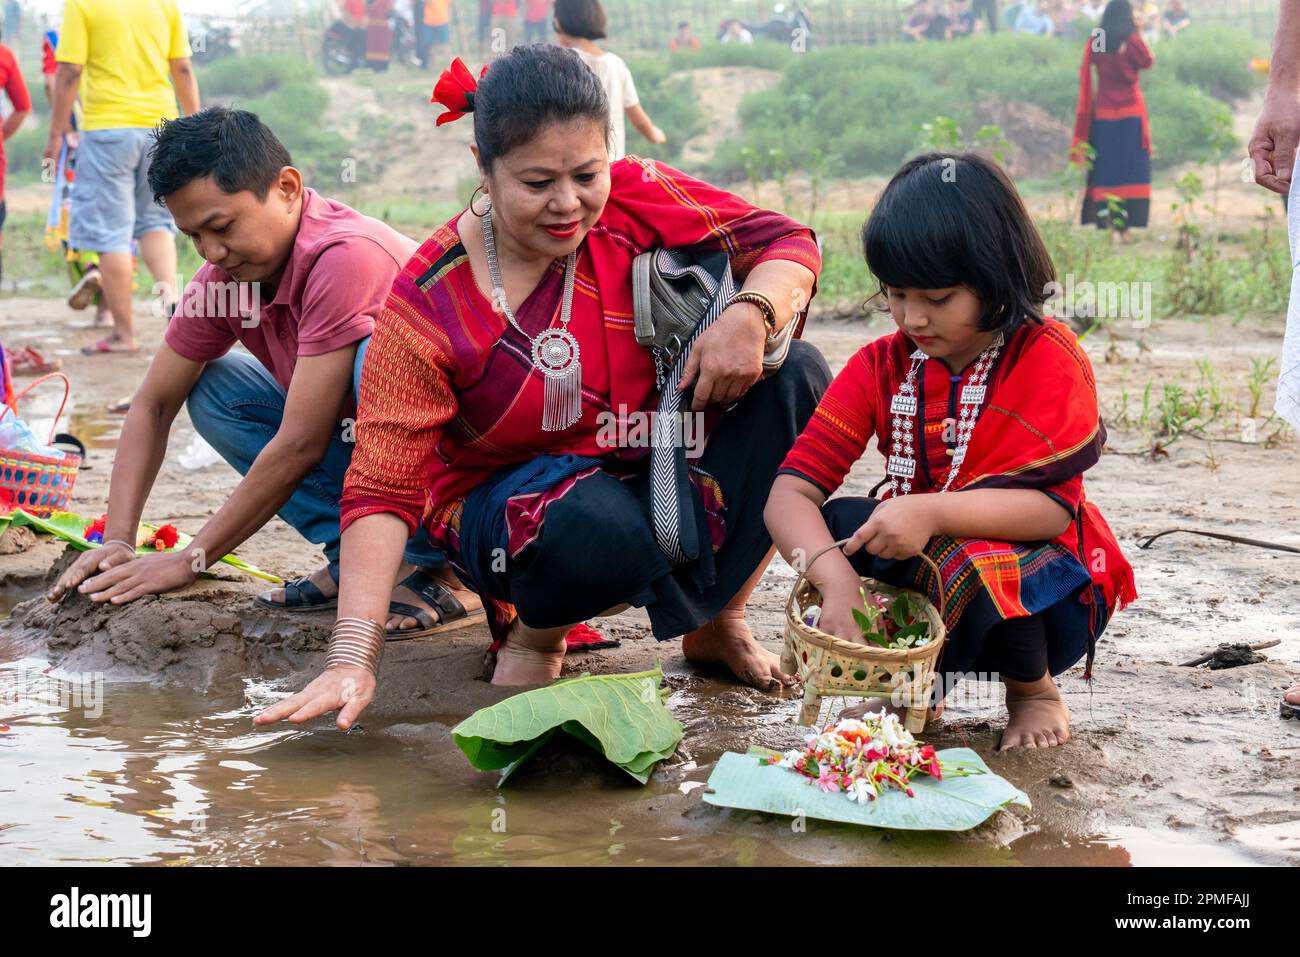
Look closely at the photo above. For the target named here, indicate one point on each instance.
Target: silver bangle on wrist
(117, 541)
(356, 643)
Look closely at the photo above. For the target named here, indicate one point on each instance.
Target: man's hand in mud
(346, 688)
(149, 575)
(89, 563)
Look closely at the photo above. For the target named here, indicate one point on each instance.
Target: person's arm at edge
(20, 99)
(66, 81)
(186, 84)
(377, 519)
(643, 124)
(1273, 144)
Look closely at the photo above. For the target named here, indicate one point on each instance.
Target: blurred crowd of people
(953, 19)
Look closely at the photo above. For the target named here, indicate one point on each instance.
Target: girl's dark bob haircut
(581, 18)
(955, 219)
(527, 89)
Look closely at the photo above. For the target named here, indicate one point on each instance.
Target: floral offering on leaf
(863, 759)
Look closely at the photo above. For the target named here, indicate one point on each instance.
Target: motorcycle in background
(343, 47)
(783, 26)
(209, 43)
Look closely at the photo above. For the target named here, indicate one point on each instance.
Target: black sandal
(301, 594)
(451, 613)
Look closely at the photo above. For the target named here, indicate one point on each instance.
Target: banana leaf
(953, 804)
(69, 526)
(622, 717)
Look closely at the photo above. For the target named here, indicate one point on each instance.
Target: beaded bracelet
(356, 643)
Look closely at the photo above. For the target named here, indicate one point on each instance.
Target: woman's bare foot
(1293, 696)
(873, 706)
(445, 577)
(727, 640)
(320, 578)
(529, 656)
(1038, 716)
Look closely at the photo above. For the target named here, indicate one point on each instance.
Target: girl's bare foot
(529, 656)
(1038, 716)
(727, 640)
(1293, 696)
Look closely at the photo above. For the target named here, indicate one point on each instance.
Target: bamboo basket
(830, 666)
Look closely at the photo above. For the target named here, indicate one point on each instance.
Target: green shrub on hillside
(860, 105)
(669, 101)
(243, 76)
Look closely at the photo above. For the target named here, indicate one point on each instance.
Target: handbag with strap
(672, 290)
(677, 295)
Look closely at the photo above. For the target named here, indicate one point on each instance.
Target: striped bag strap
(672, 504)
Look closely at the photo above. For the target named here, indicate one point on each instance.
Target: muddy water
(95, 771)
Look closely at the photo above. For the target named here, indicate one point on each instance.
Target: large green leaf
(69, 526)
(622, 717)
(953, 804)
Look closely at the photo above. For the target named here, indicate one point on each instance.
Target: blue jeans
(237, 407)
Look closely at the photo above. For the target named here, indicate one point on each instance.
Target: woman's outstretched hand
(346, 689)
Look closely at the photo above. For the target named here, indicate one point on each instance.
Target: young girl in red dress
(986, 415)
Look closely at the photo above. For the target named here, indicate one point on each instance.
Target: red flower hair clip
(455, 90)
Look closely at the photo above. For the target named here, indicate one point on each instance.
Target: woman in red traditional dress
(1113, 122)
(504, 397)
(979, 397)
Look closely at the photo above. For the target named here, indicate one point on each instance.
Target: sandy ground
(1193, 763)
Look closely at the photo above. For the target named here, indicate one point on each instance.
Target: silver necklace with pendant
(904, 408)
(555, 351)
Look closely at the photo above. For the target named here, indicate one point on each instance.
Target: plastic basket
(40, 484)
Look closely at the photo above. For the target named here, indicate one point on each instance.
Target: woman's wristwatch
(764, 304)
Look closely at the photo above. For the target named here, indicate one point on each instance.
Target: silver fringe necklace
(555, 351)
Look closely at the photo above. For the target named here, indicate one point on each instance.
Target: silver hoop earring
(473, 196)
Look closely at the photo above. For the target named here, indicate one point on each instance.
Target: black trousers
(988, 9)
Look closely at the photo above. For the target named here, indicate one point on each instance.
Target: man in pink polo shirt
(296, 279)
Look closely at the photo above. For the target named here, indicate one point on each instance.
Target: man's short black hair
(234, 147)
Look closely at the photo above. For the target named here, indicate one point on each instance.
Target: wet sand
(1166, 764)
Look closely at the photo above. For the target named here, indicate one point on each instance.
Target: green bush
(1182, 118)
(23, 152)
(1215, 61)
(669, 101)
(244, 76)
(295, 112)
(860, 106)
(766, 55)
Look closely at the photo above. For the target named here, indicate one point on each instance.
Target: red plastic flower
(455, 90)
(165, 538)
(94, 528)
